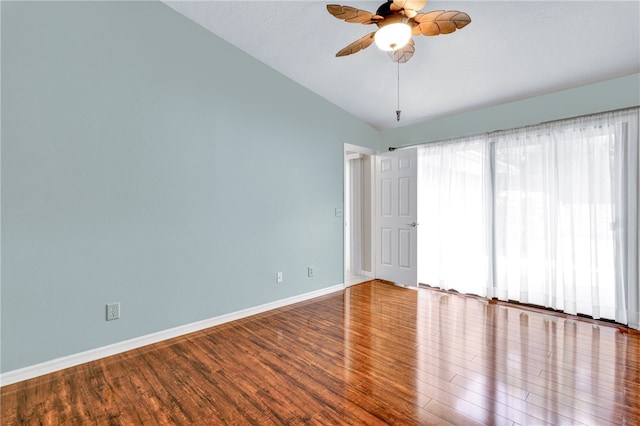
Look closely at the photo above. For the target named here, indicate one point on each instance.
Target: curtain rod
(542, 123)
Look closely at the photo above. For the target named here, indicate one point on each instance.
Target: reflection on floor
(373, 354)
(352, 279)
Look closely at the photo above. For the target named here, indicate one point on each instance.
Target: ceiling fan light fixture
(392, 36)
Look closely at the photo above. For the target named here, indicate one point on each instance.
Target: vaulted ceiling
(511, 50)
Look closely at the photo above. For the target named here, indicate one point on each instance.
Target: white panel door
(396, 216)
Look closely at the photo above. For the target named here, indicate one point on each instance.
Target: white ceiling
(511, 50)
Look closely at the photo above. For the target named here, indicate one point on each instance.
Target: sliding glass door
(545, 215)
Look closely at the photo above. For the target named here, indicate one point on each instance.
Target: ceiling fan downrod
(398, 110)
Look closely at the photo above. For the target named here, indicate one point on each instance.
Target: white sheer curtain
(545, 215)
(454, 212)
(560, 204)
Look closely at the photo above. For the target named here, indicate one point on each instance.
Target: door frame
(372, 153)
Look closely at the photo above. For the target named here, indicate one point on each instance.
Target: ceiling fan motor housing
(385, 9)
(395, 18)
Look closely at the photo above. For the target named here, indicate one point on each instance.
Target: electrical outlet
(279, 277)
(310, 271)
(113, 311)
(338, 212)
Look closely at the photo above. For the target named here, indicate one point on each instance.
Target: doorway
(358, 218)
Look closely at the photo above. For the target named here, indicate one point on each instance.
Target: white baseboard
(57, 364)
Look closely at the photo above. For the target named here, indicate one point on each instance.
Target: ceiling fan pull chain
(398, 110)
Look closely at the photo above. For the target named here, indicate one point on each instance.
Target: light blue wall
(612, 94)
(146, 161)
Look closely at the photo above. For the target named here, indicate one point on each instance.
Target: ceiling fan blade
(405, 53)
(358, 45)
(408, 7)
(410, 13)
(410, 4)
(353, 15)
(440, 22)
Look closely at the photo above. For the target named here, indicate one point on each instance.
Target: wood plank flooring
(372, 354)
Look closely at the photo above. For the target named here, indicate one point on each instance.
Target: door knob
(413, 224)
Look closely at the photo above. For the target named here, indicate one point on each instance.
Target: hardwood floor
(372, 354)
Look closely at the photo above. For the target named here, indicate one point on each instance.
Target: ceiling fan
(397, 21)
